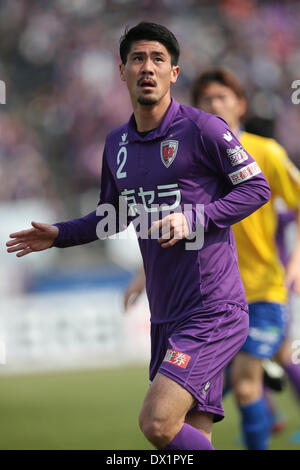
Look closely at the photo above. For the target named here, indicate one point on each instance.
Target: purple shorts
(194, 352)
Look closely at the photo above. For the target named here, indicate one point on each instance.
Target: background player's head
(149, 53)
(219, 92)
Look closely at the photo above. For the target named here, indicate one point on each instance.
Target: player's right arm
(38, 238)
(73, 232)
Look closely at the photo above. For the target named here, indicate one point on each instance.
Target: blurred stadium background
(73, 368)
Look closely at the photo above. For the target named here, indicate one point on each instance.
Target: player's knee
(156, 431)
(283, 355)
(247, 391)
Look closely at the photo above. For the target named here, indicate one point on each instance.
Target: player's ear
(122, 72)
(242, 107)
(174, 73)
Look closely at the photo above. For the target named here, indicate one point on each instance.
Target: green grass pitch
(99, 410)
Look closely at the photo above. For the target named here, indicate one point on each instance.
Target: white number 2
(122, 157)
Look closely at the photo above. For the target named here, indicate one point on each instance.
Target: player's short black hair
(150, 32)
(220, 75)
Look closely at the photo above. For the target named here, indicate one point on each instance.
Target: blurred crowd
(59, 61)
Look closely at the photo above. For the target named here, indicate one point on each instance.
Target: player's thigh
(166, 402)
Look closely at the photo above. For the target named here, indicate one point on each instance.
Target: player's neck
(149, 117)
(236, 128)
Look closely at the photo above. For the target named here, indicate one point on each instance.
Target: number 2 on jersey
(121, 160)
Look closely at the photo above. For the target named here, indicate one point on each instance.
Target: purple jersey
(190, 158)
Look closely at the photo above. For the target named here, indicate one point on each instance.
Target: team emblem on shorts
(168, 151)
(177, 358)
(205, 388)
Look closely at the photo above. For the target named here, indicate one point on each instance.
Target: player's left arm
(247, 187)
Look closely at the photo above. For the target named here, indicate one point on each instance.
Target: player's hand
(134, 289)
(174, 227)
(40, 237)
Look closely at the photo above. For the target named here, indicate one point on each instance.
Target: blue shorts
(267, 324)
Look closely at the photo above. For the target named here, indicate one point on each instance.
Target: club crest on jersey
(168, 151)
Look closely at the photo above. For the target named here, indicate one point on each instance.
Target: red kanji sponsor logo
(177, 358)
(244, 173)
(250, 170)
(235, 178)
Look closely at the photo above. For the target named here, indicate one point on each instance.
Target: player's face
(222, 101)
(148, 72)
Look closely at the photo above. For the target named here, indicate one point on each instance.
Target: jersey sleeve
(247, 187)
(284, 175)
(87, 229)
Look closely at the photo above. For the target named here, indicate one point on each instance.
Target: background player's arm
(135, 288)
(292, 277)
(285, 179)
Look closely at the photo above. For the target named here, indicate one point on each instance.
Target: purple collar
(160, 131)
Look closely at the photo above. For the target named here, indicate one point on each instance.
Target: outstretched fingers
(12, 249)
(14, 242)
(18, 246)
(24, 252)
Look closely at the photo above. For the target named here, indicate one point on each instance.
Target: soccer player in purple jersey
(165, 158)
(219, 92)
